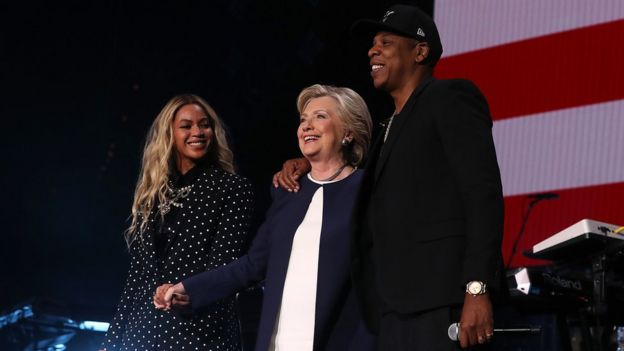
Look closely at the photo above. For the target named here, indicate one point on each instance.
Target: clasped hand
(170, 296)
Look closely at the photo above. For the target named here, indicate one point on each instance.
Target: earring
(345, 142)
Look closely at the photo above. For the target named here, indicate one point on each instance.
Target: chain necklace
(174, 198)
(333, 176)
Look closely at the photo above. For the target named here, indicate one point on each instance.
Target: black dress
(208, 230)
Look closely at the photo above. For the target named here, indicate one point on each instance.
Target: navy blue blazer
(338, 325)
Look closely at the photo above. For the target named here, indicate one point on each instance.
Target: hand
(288, 177)
(159, 296)
(169, 295)
(175, 296)
(477, 321)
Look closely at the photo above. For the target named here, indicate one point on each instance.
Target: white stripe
(468, 25)
(569, 148)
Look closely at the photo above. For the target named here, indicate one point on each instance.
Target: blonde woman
(302, 250)
(190, 214)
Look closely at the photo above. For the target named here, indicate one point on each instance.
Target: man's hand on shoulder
(288, 177)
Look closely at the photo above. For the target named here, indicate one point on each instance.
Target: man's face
(392, 60)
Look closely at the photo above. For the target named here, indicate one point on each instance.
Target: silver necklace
(388, 128)
(333, 176)
(173, 198)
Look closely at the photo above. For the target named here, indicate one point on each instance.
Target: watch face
(475, 288)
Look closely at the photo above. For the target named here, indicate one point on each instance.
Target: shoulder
(354, 181)
(452, 86)
(228, 185)
(281, 194)
(448, 95)
(305, 193)
(224, 178)
(358, 175)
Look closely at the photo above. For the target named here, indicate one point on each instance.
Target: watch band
(476, 288)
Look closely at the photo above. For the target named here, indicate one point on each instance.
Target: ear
(422, 52)
(348, 135)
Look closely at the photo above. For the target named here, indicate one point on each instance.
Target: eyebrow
(183, 119)
(316, 111)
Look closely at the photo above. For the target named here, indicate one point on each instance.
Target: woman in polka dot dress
(190, 214)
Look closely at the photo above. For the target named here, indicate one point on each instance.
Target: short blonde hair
(353, 113)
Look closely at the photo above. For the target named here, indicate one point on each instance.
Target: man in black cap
(429, 227)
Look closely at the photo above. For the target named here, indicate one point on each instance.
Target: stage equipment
(584, 284)
(41, 325)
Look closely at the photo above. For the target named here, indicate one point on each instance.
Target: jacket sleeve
(210, 286)
(115, 334)
(465, 128)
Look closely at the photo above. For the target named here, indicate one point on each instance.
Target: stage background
(553, 74)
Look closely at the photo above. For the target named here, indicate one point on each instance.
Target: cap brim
(368, 28)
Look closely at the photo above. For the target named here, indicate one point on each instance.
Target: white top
(294, 330)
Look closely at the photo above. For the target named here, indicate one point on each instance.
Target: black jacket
(431, 207)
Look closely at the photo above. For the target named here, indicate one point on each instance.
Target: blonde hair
(159, 159)
(353, 113)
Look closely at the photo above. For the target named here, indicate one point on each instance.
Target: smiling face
(321, 131)
(192, 134)
(393, 59)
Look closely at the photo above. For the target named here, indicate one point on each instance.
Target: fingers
(471, 335)
(158, 299)
(275, 180)
(177, 292)
(292, 170)
(463, 338)
(293, 181)
(487, 332)
(477, 323)
(288, 180)
(168, 297)
(180, 300)
(467, 336)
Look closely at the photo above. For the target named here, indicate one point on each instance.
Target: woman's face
(320, 130)
(192, 134)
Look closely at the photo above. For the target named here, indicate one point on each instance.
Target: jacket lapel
(397, 127)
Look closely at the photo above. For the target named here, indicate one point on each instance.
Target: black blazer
(431, 207)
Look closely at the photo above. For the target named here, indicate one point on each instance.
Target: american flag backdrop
(553, 74)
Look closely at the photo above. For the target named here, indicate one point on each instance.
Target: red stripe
(556, 71)
(602, 203)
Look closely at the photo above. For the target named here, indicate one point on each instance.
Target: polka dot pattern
(211, 231)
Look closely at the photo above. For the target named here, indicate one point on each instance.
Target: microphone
(543, 196)
(453, 331)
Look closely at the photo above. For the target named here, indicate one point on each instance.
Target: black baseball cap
(408, 21)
